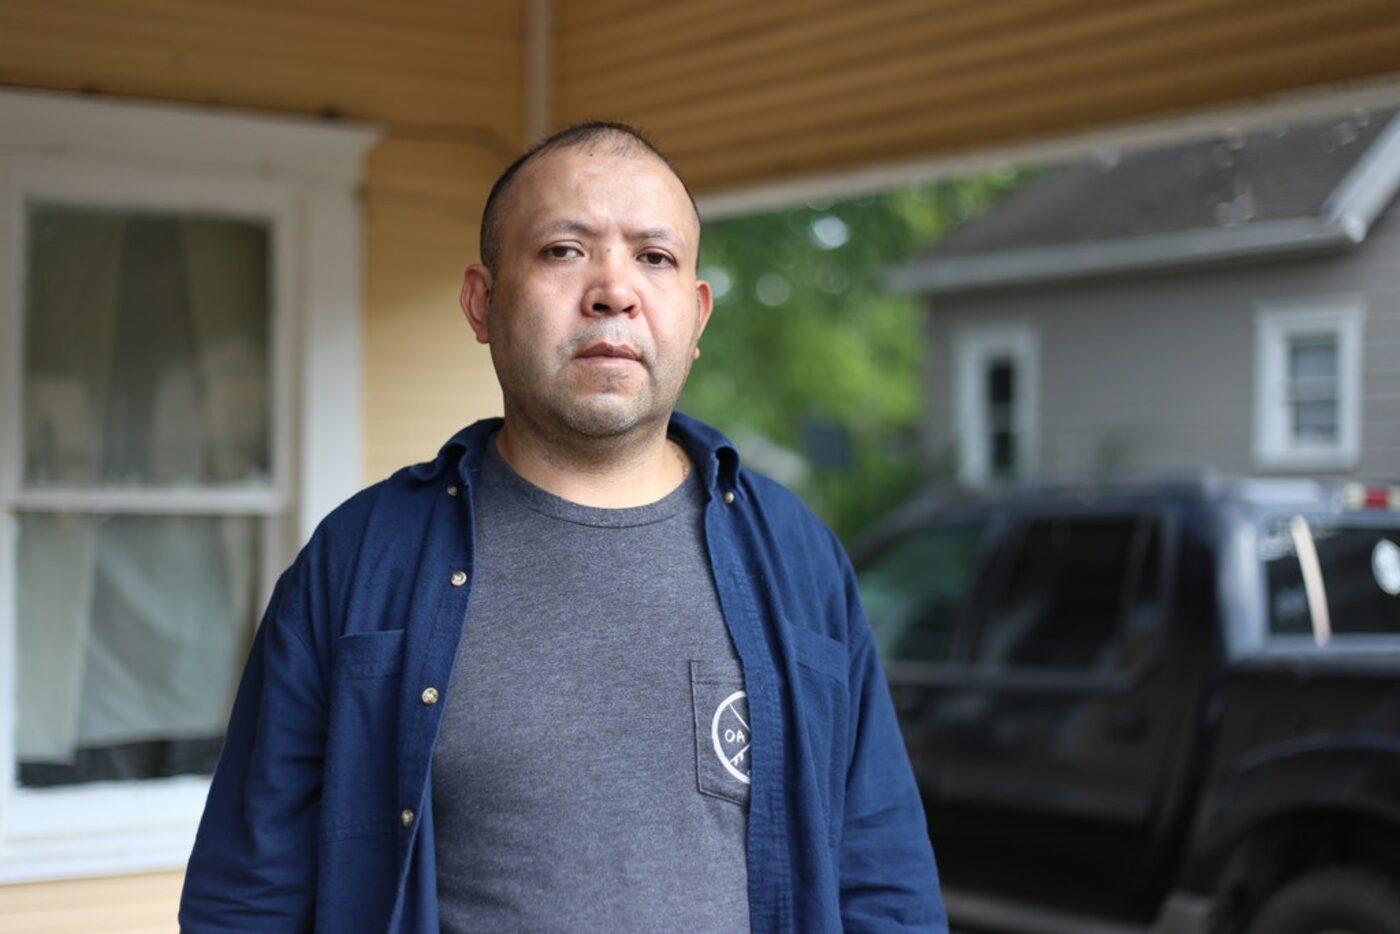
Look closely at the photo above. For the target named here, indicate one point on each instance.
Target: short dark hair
(625, 140)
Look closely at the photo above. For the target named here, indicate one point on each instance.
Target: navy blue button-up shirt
(320, 815)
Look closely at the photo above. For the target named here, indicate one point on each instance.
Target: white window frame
(973, 347)
(1275, 324)
(301, 179)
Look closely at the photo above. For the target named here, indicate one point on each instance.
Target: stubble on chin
(568, 403)
(565, 405)
(605, 405)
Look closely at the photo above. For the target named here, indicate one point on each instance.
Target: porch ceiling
(743, 93)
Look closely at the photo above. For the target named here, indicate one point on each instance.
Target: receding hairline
(611, 139)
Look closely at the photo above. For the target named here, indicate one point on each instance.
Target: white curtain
(146, 352)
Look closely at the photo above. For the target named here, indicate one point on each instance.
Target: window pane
(1312, 357)
(1360, 577)
(1312, 390)
(1001, 418)
(1003, 454)
(1064, 602)
(1315, 421)
(1001, 382)
(914, 590)
(131, 633)
(1143, 621)
(147, 340)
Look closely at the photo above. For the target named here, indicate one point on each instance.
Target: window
(1083, 594)
(1327, 578)
(995, 401)
(157, 459)
(1307, 385)
(915, 588)
(148, 372)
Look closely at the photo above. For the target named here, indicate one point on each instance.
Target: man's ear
(704, 304)
(476, 299)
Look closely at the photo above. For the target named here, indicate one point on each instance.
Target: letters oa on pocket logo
(729, 730)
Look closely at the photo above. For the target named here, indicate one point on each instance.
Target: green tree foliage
(808, 343)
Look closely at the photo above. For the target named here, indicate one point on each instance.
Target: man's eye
(656, 258)
(561, 251)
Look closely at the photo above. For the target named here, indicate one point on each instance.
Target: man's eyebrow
(662, 234)
(658, 234)
(566, 226)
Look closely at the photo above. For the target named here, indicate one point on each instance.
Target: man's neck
(605, 475)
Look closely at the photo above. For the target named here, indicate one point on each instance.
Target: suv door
(1053, 748)
(916, 588)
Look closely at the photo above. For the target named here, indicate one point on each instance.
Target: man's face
(594, 311)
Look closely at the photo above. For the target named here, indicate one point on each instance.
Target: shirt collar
(710, 450)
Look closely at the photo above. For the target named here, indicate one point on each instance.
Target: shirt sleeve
(253, 867)
(888, 878)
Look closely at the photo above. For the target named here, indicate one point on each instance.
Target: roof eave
(1008, 268)
(1346, 219)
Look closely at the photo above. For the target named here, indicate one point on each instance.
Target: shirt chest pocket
(361, 743)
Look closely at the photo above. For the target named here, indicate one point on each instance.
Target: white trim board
(46, 123)
(1005, 268)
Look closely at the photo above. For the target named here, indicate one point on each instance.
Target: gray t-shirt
(592, 771)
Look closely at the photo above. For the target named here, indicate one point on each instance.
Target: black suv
(1169, 704)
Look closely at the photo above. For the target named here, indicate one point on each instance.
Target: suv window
(1358, 575)
(1078, 593)
(915, 588)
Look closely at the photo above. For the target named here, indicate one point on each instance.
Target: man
(582, 671)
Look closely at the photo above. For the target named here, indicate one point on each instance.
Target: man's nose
(612, 291)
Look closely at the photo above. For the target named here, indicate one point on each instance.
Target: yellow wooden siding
(742, 93)
(443, 78)
(141, 904)
(426, 376)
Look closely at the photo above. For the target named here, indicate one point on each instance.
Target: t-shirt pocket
(722, 735)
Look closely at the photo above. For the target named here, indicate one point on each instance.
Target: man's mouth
(603, 352)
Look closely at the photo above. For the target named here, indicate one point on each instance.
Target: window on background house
(1000, 401)
(1307, 385)
(1312, 388)
(994, 389)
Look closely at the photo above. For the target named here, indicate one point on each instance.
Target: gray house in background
(1233, 303)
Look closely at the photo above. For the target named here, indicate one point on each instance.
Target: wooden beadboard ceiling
(440, 70)
(740, 93)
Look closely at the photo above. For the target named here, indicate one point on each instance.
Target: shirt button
(406, 818)
(429, 696)
(728, 497)
(459, 578)
(452, 491)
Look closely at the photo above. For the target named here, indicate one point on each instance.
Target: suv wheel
(1341, 900)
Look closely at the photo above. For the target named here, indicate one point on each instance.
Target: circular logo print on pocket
(730, 732)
